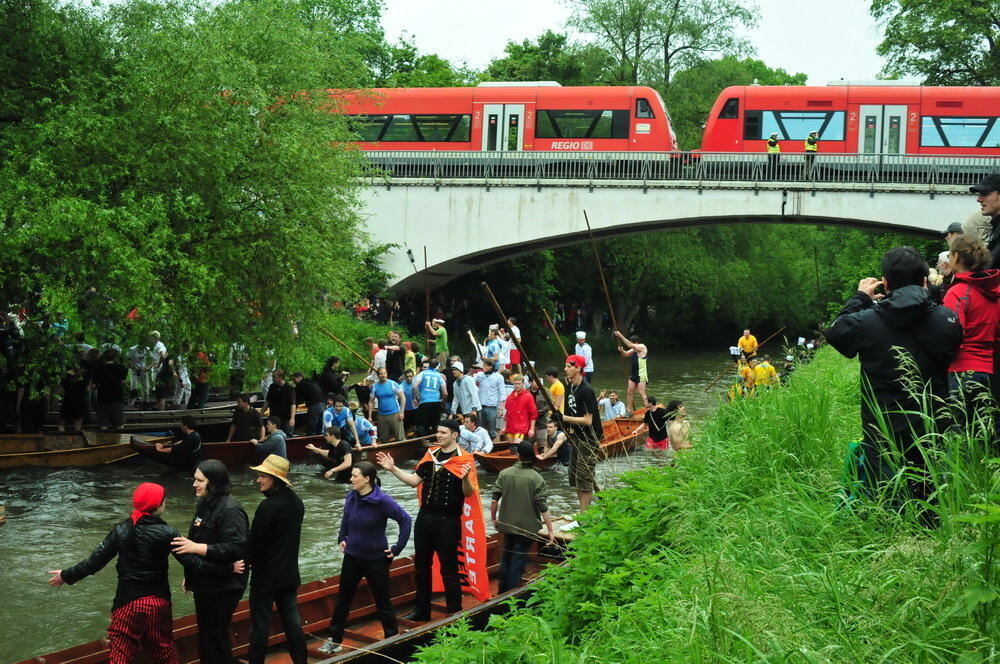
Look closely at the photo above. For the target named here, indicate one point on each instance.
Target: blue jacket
(363, 524)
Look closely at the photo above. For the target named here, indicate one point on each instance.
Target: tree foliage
(403, 66)
(197, 178)
(650, 40)
(946, 42)
(696, 89)
(551, 57)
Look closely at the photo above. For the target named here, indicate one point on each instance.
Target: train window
(731, 110)
(643, 110)
(794, 125)
(443, 127)
(582, 124)
(368, 127)
(946, 132)
(415, 128)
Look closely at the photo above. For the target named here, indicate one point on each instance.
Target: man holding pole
(583, 424)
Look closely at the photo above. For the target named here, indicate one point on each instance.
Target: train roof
(608, 97)
(815, 96)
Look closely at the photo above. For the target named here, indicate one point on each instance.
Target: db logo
(572, 145)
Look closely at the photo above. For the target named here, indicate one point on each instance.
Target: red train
(858, 118)
(529, 117)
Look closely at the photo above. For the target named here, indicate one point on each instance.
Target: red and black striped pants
(145, 623)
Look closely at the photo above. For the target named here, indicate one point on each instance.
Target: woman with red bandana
(140, 614)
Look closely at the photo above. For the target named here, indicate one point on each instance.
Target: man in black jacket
(274, 560)
(140, 613)
(885, 331)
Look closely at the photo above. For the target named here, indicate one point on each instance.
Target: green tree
(945, 42)
(202, 179)
(551, 57)
(651, 39)
(403, 66)
(695, 90)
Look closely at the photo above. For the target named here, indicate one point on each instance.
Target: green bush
(742, 553)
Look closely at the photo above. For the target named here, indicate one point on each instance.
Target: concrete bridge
(462, 212)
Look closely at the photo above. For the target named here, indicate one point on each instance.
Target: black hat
(954, 227)
(989, 183)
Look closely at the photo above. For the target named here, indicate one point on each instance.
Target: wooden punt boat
(237, 454)
(362, 639)
(63, 449)
(620, 436)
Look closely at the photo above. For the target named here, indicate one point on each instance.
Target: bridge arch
(464, 225)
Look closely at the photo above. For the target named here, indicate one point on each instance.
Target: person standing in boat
(520, 495)
(638, 374)
(366, 550)
(184, 452)
(280, 398)
(218, 534)
(443, 476)
(141, 610)
(274, 561)
(583, 426)
(583, 349)
(246, 423)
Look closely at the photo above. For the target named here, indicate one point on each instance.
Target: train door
(503, 127)
(882, 130)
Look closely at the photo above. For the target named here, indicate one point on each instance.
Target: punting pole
(604, 284)
(367, 363)
(548, 320)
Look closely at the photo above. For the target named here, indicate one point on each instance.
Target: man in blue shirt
(388, 401)
(410, 409)
(339, 416)
(491, 393)
(429, 392)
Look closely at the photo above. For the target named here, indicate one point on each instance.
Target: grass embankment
(740, 554)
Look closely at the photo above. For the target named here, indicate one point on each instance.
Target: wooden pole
(350, 350)
(607, 294)
(724, 371)
(548, 320)
(524, 356)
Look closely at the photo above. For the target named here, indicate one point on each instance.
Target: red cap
(578, 361)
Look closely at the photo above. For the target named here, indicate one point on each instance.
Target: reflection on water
(57, 516)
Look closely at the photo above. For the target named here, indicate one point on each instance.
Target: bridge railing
(664, 168)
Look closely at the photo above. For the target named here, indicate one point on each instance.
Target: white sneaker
(570, 526)
(330, 647)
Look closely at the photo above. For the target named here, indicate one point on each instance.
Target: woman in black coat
(219, 533)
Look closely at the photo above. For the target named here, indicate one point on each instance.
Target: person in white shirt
(515, 336)
(584, 349)
(610, 406)
(473, 437)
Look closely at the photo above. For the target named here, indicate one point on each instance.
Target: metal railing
(909, 172)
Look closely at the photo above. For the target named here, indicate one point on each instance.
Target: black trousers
(261, 602)
(428, 417)
(516, 551)
(437, 534)
(351, 573)
(199, 395)
(214, 612)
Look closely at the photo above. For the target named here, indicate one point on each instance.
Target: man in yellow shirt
(556, 389)
(746, 373)
(748, 344)
(770, 374)
(761, 373)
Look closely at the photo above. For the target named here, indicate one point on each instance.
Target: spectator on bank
(905, 326)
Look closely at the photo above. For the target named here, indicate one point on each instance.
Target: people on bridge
(773, 155)
(811, 148)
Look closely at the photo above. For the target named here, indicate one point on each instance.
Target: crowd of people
(928, 346)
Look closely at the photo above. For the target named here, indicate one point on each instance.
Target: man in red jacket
(520, 411)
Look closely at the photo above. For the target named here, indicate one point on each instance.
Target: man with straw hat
(274, 560)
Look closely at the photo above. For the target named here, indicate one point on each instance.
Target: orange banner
(472, 543)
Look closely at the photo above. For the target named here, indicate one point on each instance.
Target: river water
(57, 516)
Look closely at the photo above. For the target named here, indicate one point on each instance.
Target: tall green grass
(744, 553)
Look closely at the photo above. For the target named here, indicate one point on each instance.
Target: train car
(509, 117)
(857, 118)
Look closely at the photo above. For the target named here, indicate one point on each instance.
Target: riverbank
(741, 554)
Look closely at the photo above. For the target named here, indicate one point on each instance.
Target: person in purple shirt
(366, 550)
